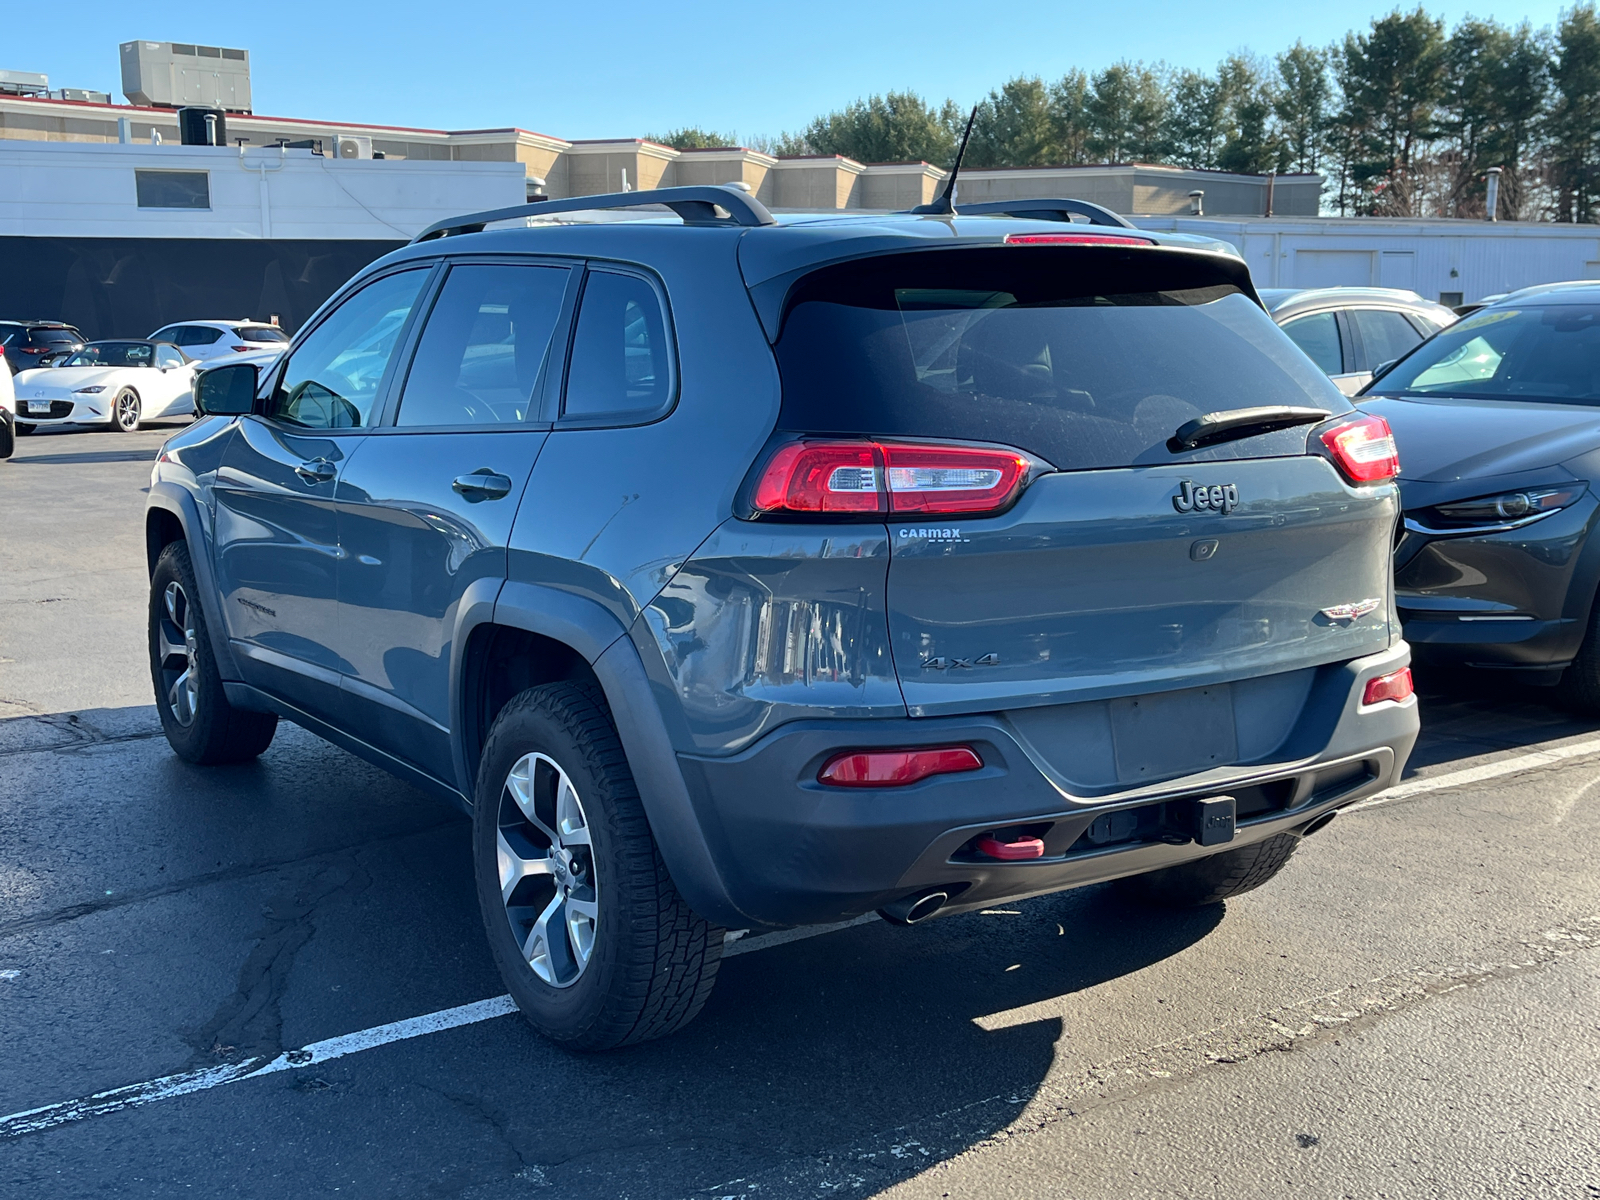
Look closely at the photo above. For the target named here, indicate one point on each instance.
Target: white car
(114, 383)
(8, 405)
(221, 339)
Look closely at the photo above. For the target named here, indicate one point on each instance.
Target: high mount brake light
(1074, 239)
(890, 477)
(896, 768)
(1363, 449)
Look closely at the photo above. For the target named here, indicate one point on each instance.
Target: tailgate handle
(482, 484)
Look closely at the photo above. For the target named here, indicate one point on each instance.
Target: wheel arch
(541, 634)
(171, 515)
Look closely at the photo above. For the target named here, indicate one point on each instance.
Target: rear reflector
(896, 768)
(1017, 850)
(890, 477)
(1363, 449)
(1075, 239)
(1396, 685)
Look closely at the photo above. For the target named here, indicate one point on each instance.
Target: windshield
(1088, 362)
(1547, 353)
(113, 354)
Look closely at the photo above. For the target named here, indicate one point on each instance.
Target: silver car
(1352, 331)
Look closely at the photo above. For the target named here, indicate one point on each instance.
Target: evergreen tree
(895, 127)
(1302, 105)
(1016, 126)
(1574, 126)
(1124, 113)
(1393, 80)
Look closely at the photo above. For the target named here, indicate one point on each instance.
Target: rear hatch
(1117, 565)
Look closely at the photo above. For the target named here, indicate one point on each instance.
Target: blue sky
(623, 68)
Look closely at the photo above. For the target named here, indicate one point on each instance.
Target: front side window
(331, 381)
(170, 334)
(1385, 336)
(480, 354)
(1549, 354)
(621, 365)
(1318, 336)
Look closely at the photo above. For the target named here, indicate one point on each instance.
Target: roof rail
(1047, 210)
(696, 205)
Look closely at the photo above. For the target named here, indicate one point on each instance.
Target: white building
(1449, 261)
(120, 239)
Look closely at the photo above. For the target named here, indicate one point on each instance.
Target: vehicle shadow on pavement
(89, 456)
(1469, 713)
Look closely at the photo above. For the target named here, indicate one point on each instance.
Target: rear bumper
(791, 851)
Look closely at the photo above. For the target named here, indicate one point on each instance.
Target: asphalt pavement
(251, 981)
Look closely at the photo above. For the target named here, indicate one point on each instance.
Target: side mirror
(226, 391)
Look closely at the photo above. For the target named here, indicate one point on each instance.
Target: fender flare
(180, 503)
(595, 633)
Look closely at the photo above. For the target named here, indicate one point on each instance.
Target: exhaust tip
(911, 909)
(1320, 823)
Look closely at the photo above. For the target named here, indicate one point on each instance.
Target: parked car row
(118, 383)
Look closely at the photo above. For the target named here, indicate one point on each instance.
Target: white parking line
(167, 1087)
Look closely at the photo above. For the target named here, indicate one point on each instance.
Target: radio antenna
(944, 206)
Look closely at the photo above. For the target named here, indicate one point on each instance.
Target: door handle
(482, 484)
(318, 470)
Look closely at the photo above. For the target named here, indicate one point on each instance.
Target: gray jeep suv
(742, 572)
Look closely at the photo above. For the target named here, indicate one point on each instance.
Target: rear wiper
(1234, 423)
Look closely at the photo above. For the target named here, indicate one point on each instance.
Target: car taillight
(896, 768)
(1363, 449)
(241, 348)
(890, 477)
(1396, 685)
(1075, 239)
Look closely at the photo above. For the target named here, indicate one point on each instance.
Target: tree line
(1403, 119)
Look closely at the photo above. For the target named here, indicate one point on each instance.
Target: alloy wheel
(547, 877)
(127, 414)
(180, 666)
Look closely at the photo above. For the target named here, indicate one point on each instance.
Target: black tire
(125, 412)
(201, 726)
(1214, 879)
(1580, 682)
(8, 437)
(23, 429)
(652, 961)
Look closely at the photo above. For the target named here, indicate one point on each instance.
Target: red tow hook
(1013, 851)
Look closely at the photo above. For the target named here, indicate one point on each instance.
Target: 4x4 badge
(943, 664)
(1219, 497)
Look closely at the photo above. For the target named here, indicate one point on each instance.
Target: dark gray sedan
(1497, 419)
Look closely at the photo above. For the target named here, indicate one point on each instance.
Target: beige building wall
(596, 167)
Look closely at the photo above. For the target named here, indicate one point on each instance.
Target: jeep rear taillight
(1363, 449)
(890, 477)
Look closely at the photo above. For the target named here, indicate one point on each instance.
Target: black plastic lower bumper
(792, 851)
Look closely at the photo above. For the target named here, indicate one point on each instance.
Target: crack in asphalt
(75, 912)
(250, 1022)
(890, 1156)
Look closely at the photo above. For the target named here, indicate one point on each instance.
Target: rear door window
(1086, 359)
(1318, 336)
(621, 368)
(484, 347)
(1385, 336)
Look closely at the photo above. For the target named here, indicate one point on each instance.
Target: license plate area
(1168, 734)
(39, 408)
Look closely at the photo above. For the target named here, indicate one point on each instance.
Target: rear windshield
(1547, 353)
(1085, 358)
(261, 333)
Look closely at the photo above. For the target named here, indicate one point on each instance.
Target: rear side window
(1086, 358)
(1318, 336)
(483, 346)
(1385, 336)
(621, 366)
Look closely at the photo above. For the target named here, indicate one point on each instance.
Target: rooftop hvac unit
(175, 74)
(23, 83)
(348, 146)
(87, 95)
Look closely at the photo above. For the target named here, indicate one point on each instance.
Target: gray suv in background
(741, 572)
